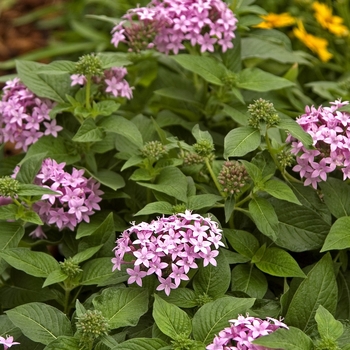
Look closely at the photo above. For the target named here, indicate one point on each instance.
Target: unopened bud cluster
(8, 186)
(92, 325)
(192, 158)
(153, 150)
(70, 267)
(203, 299)
(229, 80)
(262, 111)
(89, 65)
(285, 159)
(204, 148)
(233, 176)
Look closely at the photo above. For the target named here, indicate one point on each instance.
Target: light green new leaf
(339, 235)
(327, 325)
(55, 276)
(278, 262)
(40, 322)
(291, 339)
(170, 319)
(240, 141)
(280, 190)
(264, 217)
(36, 264)
(296, 130)
(98, 225)
(213, 317)
(29, 167)
(208, 68)
(319, 288)
(122, 306)
(201, 201)
(257, 80)
(86, 254)
(160, 207)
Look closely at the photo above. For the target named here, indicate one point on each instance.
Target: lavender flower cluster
(243, 331)
(168, 247)
(24, 117)
(167, 24)
(113, 82)
(330, 132)
(76, 200)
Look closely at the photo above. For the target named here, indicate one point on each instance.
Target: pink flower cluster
(168, 247)
(76, 199)
(168, 24)
(7, 342)
(330, 132)
(24, 117)
(243, 331)
(113, 82)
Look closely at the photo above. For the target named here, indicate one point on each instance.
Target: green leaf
(88, 132)
(97, 271)
(53, 87)
(141, 344)
(280, 190)
(86, 254)
(160, 207)
(296, 131)
(200, 135)
(40, 322)
(178, 94)
(29, 167)
(8, 212)
(56, 148)
(108, 178)
(24, 289)
(206, 67)
(58, 67)
(98, 225)
(33, 190)
(249, 280)
(292, 339)
(30, 216)
(170, 319)
(201, 201)
(257, 80)
(181, 297)
(264, 217)
(319, 288)
(36, 264)
(336, 195)
(113, 59)
(213, 280)
(339, 235)
(7, 327)
(170, 181)
(124, 127)
(122, 306)
(240, 141)
(64, 343)
(253, 171)
(278, 262)
(213, 317)
(242, 242)
(55, 276)
(327, 325)
(235, 114)
(300, 229)
(11, 234)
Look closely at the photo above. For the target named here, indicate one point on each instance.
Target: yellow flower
(314, 43)
(324, 16)
(274, 20)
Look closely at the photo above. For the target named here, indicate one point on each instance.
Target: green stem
(211, 172)
(87, 92)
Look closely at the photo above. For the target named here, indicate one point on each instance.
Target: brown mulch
(17, 40)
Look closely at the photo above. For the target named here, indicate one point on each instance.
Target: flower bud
(92, 324)
(233, 176)
(70, 268)
(8, 186)
(153, 150)
(204, 148)
(89, 65)
(262, 111)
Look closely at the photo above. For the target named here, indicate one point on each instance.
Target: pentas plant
(329, 128)
(76, 199)
(24, 117)
(168, 26)
(243, 331)
(169, 248)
